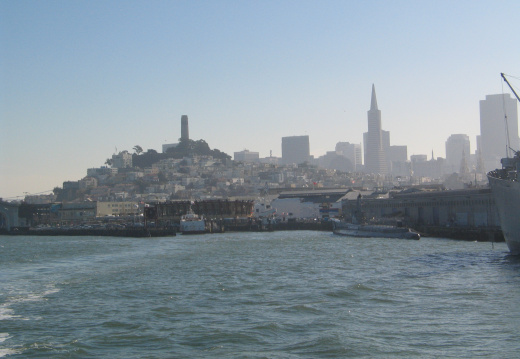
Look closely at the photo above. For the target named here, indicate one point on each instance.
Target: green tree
(138, 149)
(58, 191)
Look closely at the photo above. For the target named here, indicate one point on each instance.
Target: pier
(95, 232)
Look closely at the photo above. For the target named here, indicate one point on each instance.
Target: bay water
(293, 294)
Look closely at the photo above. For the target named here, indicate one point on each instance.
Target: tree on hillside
(147, 159)
(187, 148)
(138, 149)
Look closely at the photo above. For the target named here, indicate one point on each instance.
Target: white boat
(192, 223)
(373, 230)
(505, 187)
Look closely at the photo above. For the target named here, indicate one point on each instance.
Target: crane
(511, 87)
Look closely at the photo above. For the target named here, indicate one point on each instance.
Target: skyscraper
(457, 152)
(352, 151)
(375, 161)
(185, 132)
(295, 149)
(496, 134)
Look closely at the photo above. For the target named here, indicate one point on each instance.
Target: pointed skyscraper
(373, 101)
(375, 161)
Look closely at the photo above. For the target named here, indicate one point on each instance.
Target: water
(257, 295)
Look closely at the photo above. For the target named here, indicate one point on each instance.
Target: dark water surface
(257, 295)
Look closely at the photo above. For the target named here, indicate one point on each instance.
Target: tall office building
(397, 154)
(185, 132)
(352, 151)
(457, 152)
(295, 149)
(495, 129)
(375, 161)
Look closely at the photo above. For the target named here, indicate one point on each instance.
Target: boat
(505, 188)
(372, 230)
(192, 223)
(360, 228)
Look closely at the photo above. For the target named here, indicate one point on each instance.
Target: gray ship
(505, 186)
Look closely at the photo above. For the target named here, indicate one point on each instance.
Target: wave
(7, 313)
(5, 351)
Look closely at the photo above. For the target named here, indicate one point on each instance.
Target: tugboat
(192, 223)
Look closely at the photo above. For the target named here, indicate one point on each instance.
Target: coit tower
(185, 132)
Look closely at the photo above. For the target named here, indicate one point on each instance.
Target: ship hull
(193, 227)
(506, 194)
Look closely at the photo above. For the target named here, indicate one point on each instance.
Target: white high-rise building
(246, 156)
(498, 129)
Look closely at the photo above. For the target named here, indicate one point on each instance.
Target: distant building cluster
(375, 163)
(394, 185)
(499, 136)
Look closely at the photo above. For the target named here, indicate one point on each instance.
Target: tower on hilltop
(185, 132)
(375, 161)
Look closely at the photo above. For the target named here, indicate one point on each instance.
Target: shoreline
(456, 233)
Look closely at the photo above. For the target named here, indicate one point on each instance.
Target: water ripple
(259, 295)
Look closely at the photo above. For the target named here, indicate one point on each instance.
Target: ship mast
(508, 147)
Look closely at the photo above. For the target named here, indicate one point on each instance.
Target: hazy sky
(82, 78)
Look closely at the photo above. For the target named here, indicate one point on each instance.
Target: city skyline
(82, 79)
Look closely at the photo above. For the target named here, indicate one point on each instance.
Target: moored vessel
(505, 187)
(360, 228)
(192, 223)
(373, 230)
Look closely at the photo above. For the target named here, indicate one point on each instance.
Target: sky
(80, 80)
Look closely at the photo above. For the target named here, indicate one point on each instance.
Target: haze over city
(82, 80)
